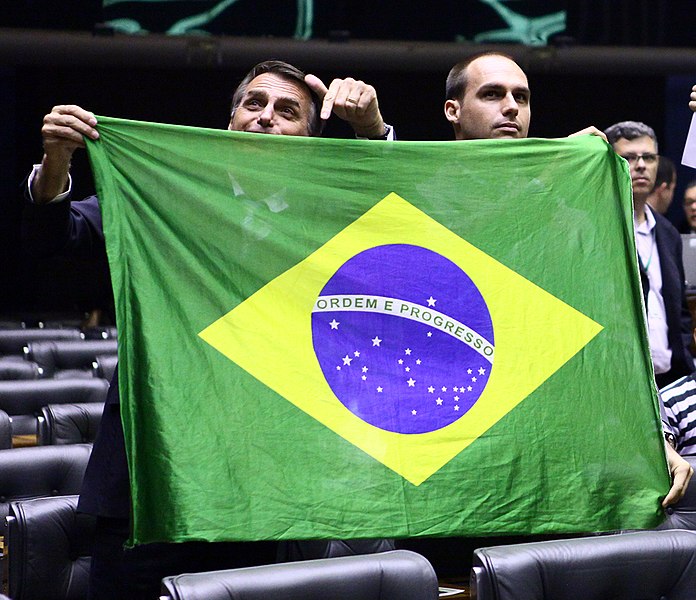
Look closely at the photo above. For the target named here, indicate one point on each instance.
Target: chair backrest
(626, 566)
(39, 471)
(312, 549)
(55, 356)
(100, 333)
(49, 548)
(682, 515)
(5, 431)
(13, 341)
(69, 423)
(23, 400)
(15, 367)
(105, 365)
(400, 574)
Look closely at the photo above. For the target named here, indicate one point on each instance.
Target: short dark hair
(457, 78)
(666, 171)
(629, 130)
(691, 184)
(286, 71)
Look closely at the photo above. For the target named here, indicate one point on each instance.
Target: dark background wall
(156, 80)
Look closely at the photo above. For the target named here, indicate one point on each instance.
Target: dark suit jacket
(75, 229)
(679, 327)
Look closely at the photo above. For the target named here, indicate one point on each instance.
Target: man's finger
(681, 472)
(330, 99)
(324, 93)
(316, 85)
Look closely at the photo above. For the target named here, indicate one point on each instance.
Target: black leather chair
(13, 341)
(23, 400)
(626, 566)
(49, 549)
(682, 515)
(396, 575)
(69, 423)
(100, 333)
(104, 366)
(313, 549)
(69, 358)
(5, 431)
(15, 367)
(39, 471)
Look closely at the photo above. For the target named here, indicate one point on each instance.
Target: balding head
(488, 97)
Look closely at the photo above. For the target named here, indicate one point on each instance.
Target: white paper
(689, 158)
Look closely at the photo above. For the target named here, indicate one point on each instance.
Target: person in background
(665, 183)
(659, 248)
(690, 205)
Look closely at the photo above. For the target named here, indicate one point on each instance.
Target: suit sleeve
(63, 229)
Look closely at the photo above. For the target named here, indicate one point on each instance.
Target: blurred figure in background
(665, 183)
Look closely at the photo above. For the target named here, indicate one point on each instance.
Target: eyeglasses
(649, 158)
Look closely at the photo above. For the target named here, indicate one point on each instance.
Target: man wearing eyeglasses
(690, 203)
(659, 256)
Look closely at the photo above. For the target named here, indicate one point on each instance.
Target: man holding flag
(488, 97)
(274, 98)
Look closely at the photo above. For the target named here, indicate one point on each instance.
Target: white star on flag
(411, 382)
(431, 301)
(376, 341)
(347, 360)
(334, 324)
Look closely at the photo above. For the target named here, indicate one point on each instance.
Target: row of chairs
(69, 352)
(61, 359)
(48, 550)
(48, 558)
(58, 424)
(31, 408)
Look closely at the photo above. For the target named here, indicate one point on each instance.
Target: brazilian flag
(327, 338)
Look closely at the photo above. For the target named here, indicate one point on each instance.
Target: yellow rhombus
(269, 335)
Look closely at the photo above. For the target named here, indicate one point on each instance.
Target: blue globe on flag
(404, 338)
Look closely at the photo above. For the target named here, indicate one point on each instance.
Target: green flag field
(324, 338)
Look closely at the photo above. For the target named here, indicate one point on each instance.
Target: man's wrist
(387, 133)
(39, 198)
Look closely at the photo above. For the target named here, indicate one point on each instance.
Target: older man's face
(641, 154)
(275, 105)
(495, 103)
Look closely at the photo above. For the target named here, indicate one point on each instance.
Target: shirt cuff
(59, 197)
(388, 134)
